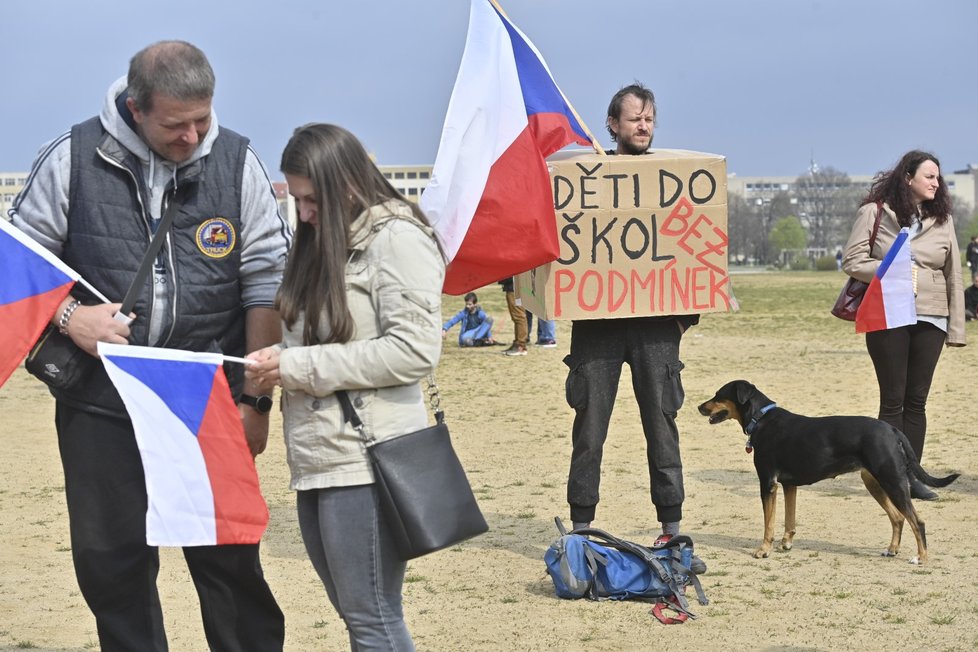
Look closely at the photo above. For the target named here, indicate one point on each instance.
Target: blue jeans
(546, 330)
(480, 332)
(352, 550)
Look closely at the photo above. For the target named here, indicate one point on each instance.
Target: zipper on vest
(142, 213)
(167, 196)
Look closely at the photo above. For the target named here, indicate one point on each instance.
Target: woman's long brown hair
(346, 183)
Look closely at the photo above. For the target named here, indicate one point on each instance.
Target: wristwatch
(262, 403)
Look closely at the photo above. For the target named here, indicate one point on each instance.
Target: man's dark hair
(175, 69)
(471, 297)
(638, 90)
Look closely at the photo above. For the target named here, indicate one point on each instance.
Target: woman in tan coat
(361, 306)
(912, 195)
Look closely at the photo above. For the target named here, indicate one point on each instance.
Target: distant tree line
(816, 214)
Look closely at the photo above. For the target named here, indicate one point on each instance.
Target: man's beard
(633, 150)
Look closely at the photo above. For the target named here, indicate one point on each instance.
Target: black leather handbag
(847, 305)
(425, 496)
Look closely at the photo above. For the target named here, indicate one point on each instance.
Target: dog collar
(752, 425)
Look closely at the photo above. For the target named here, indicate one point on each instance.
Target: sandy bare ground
(511, 426)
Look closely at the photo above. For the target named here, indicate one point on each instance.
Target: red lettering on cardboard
(582, 288)
(677, 222)
(559, 287)
(614, 303)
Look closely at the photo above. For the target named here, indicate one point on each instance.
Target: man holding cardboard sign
(650, 346)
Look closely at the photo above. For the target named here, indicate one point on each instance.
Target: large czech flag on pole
(200, 477)
(33, 283)
(889, 299)
(489, 198)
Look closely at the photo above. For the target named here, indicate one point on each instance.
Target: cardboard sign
(639, 236)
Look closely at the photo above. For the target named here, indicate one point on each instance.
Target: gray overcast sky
(766, 83)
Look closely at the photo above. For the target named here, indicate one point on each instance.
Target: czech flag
(200, 477)
(889, 299)
(489, 198)
(33, 283)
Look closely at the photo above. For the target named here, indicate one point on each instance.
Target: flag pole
(92, 289)
(594, 141)
(244, 361)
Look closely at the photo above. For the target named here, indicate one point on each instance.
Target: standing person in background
(476, 325)
(650, 346)
(518, 315)
(971, 299)
(971, 254)
(913, 195)
(546, 331)
(93, 198)
(361, 305)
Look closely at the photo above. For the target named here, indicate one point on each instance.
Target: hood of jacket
(369, 222)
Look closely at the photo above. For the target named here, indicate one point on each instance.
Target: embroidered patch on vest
(216, 237)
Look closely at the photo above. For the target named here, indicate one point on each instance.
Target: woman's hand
(264, 374)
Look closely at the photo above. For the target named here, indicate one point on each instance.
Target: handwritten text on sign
(639, 243)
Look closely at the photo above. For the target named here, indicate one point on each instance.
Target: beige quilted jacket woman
(394, 279)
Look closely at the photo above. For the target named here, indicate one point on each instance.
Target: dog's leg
(896, 518)
(769, 501)
(917, 526)
(790, 494)
(900, 497)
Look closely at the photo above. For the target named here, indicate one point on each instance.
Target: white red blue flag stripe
(33, 283)
(889, 300)
(200, 477)
(489, 197)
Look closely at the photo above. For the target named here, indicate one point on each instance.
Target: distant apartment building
(10, 184)
(409, 180)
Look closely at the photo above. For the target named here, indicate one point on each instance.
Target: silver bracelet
(66, 315)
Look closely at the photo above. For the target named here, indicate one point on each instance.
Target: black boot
(920, 491)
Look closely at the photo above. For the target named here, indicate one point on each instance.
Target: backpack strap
(680, 617)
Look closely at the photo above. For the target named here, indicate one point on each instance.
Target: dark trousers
(905, 359)
(598, 349)
(116, 569)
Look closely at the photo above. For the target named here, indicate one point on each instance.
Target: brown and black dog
(797, 450)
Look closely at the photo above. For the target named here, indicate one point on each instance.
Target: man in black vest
(94, 197)
(650, 346)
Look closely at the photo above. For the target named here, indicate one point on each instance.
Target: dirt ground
(511, 427)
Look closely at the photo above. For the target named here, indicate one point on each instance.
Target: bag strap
(350, 414)
(149, 257)
(876, 226)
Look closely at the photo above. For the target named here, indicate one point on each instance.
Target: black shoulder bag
(425, 496)
(55, 359)
(852, 293)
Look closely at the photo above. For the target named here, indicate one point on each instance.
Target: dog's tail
(918, 471)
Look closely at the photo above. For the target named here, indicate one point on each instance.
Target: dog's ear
(745, 391)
